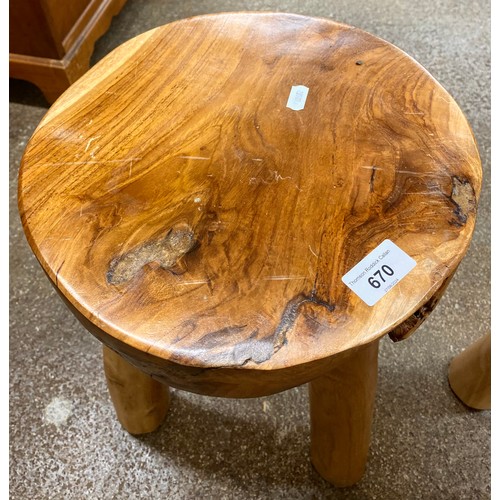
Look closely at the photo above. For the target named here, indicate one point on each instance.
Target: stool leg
(140, 402)
(341, 405)
(469, 374)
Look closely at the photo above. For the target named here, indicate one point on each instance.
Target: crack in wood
(290, 315)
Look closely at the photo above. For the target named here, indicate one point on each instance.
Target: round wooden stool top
(192, 220)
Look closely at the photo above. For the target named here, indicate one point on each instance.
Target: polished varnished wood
(469, 374)
(141, 402)
(201, 228)
(341, 405)
(51, 42)
(410, 324)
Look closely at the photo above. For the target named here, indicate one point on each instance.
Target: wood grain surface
(51, 42)
(141, 402)
(196, 222)
(469, 374)
(341, 404)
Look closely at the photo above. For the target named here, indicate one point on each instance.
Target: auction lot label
(381, 270)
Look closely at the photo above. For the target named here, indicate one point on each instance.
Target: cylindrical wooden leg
(341, 405)
(140, 402)
(469, 374)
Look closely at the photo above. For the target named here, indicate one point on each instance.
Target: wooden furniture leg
(140, 402)
(469, 374)
(341, 405)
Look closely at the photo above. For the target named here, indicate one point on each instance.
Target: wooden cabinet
(51, 41)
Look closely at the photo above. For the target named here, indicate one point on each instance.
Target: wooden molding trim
(54, 76)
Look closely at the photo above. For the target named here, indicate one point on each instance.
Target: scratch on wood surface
(283, 278)
(194, 157)
(123, 160)
(412, 172)
(90, 142)
(313, 252)
(272, 177)
(409, 172)
(442, 98)
(425, 193)
(278, 177)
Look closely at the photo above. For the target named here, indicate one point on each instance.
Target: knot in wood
(167, 251)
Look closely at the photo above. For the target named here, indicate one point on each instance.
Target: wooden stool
(237, 204)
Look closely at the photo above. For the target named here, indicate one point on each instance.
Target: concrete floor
(65, 442)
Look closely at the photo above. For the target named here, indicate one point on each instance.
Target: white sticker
(297, 97)
(378, 272)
